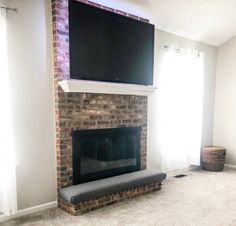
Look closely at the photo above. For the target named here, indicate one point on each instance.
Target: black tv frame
(74, 75)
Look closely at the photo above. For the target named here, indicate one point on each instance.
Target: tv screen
(105, 46)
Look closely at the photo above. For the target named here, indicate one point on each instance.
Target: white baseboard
(30, 210)
(230, 166)
(4, 218)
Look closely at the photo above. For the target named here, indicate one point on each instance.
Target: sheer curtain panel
(181, 108)
(7, 163)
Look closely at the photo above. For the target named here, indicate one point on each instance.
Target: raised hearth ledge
(83, 86)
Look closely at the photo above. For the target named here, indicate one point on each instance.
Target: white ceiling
(208, 21)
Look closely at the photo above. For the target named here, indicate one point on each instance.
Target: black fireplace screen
(102, 153)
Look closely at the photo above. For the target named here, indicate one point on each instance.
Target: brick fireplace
(77, 111)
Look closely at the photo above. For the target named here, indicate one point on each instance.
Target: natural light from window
(181, 107)
(7, 163)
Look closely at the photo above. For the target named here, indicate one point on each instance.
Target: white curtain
(7, 166)
(181, 108)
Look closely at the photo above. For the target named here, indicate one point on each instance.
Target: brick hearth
(93, 204)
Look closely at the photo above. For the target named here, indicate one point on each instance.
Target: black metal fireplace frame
(80, 135)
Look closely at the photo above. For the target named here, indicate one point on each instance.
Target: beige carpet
(200, 199)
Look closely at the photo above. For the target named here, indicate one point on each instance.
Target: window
(7, 166)
(181, 106)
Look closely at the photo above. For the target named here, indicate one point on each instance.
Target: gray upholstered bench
(87, 196)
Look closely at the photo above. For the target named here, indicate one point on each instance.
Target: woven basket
(213, 158)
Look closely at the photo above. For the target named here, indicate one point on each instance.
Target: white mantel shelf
(83, 86)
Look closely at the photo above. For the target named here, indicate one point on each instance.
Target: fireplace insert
(102, 153)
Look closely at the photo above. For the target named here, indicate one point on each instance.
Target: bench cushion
(94, 189)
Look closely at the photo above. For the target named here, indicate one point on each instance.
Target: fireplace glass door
(104, 153)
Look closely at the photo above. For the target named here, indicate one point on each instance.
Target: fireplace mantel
(83, 86)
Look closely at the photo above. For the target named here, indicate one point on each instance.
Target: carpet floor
(199, 199)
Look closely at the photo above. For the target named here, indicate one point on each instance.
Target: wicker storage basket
(213, 158)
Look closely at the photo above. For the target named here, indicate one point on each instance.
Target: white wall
(30, 62)
(164, 38)
(30, 54)
(225, 100)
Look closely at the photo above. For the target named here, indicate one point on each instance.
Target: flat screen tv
(105, 46)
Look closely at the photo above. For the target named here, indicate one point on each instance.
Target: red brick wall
(87, 111)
